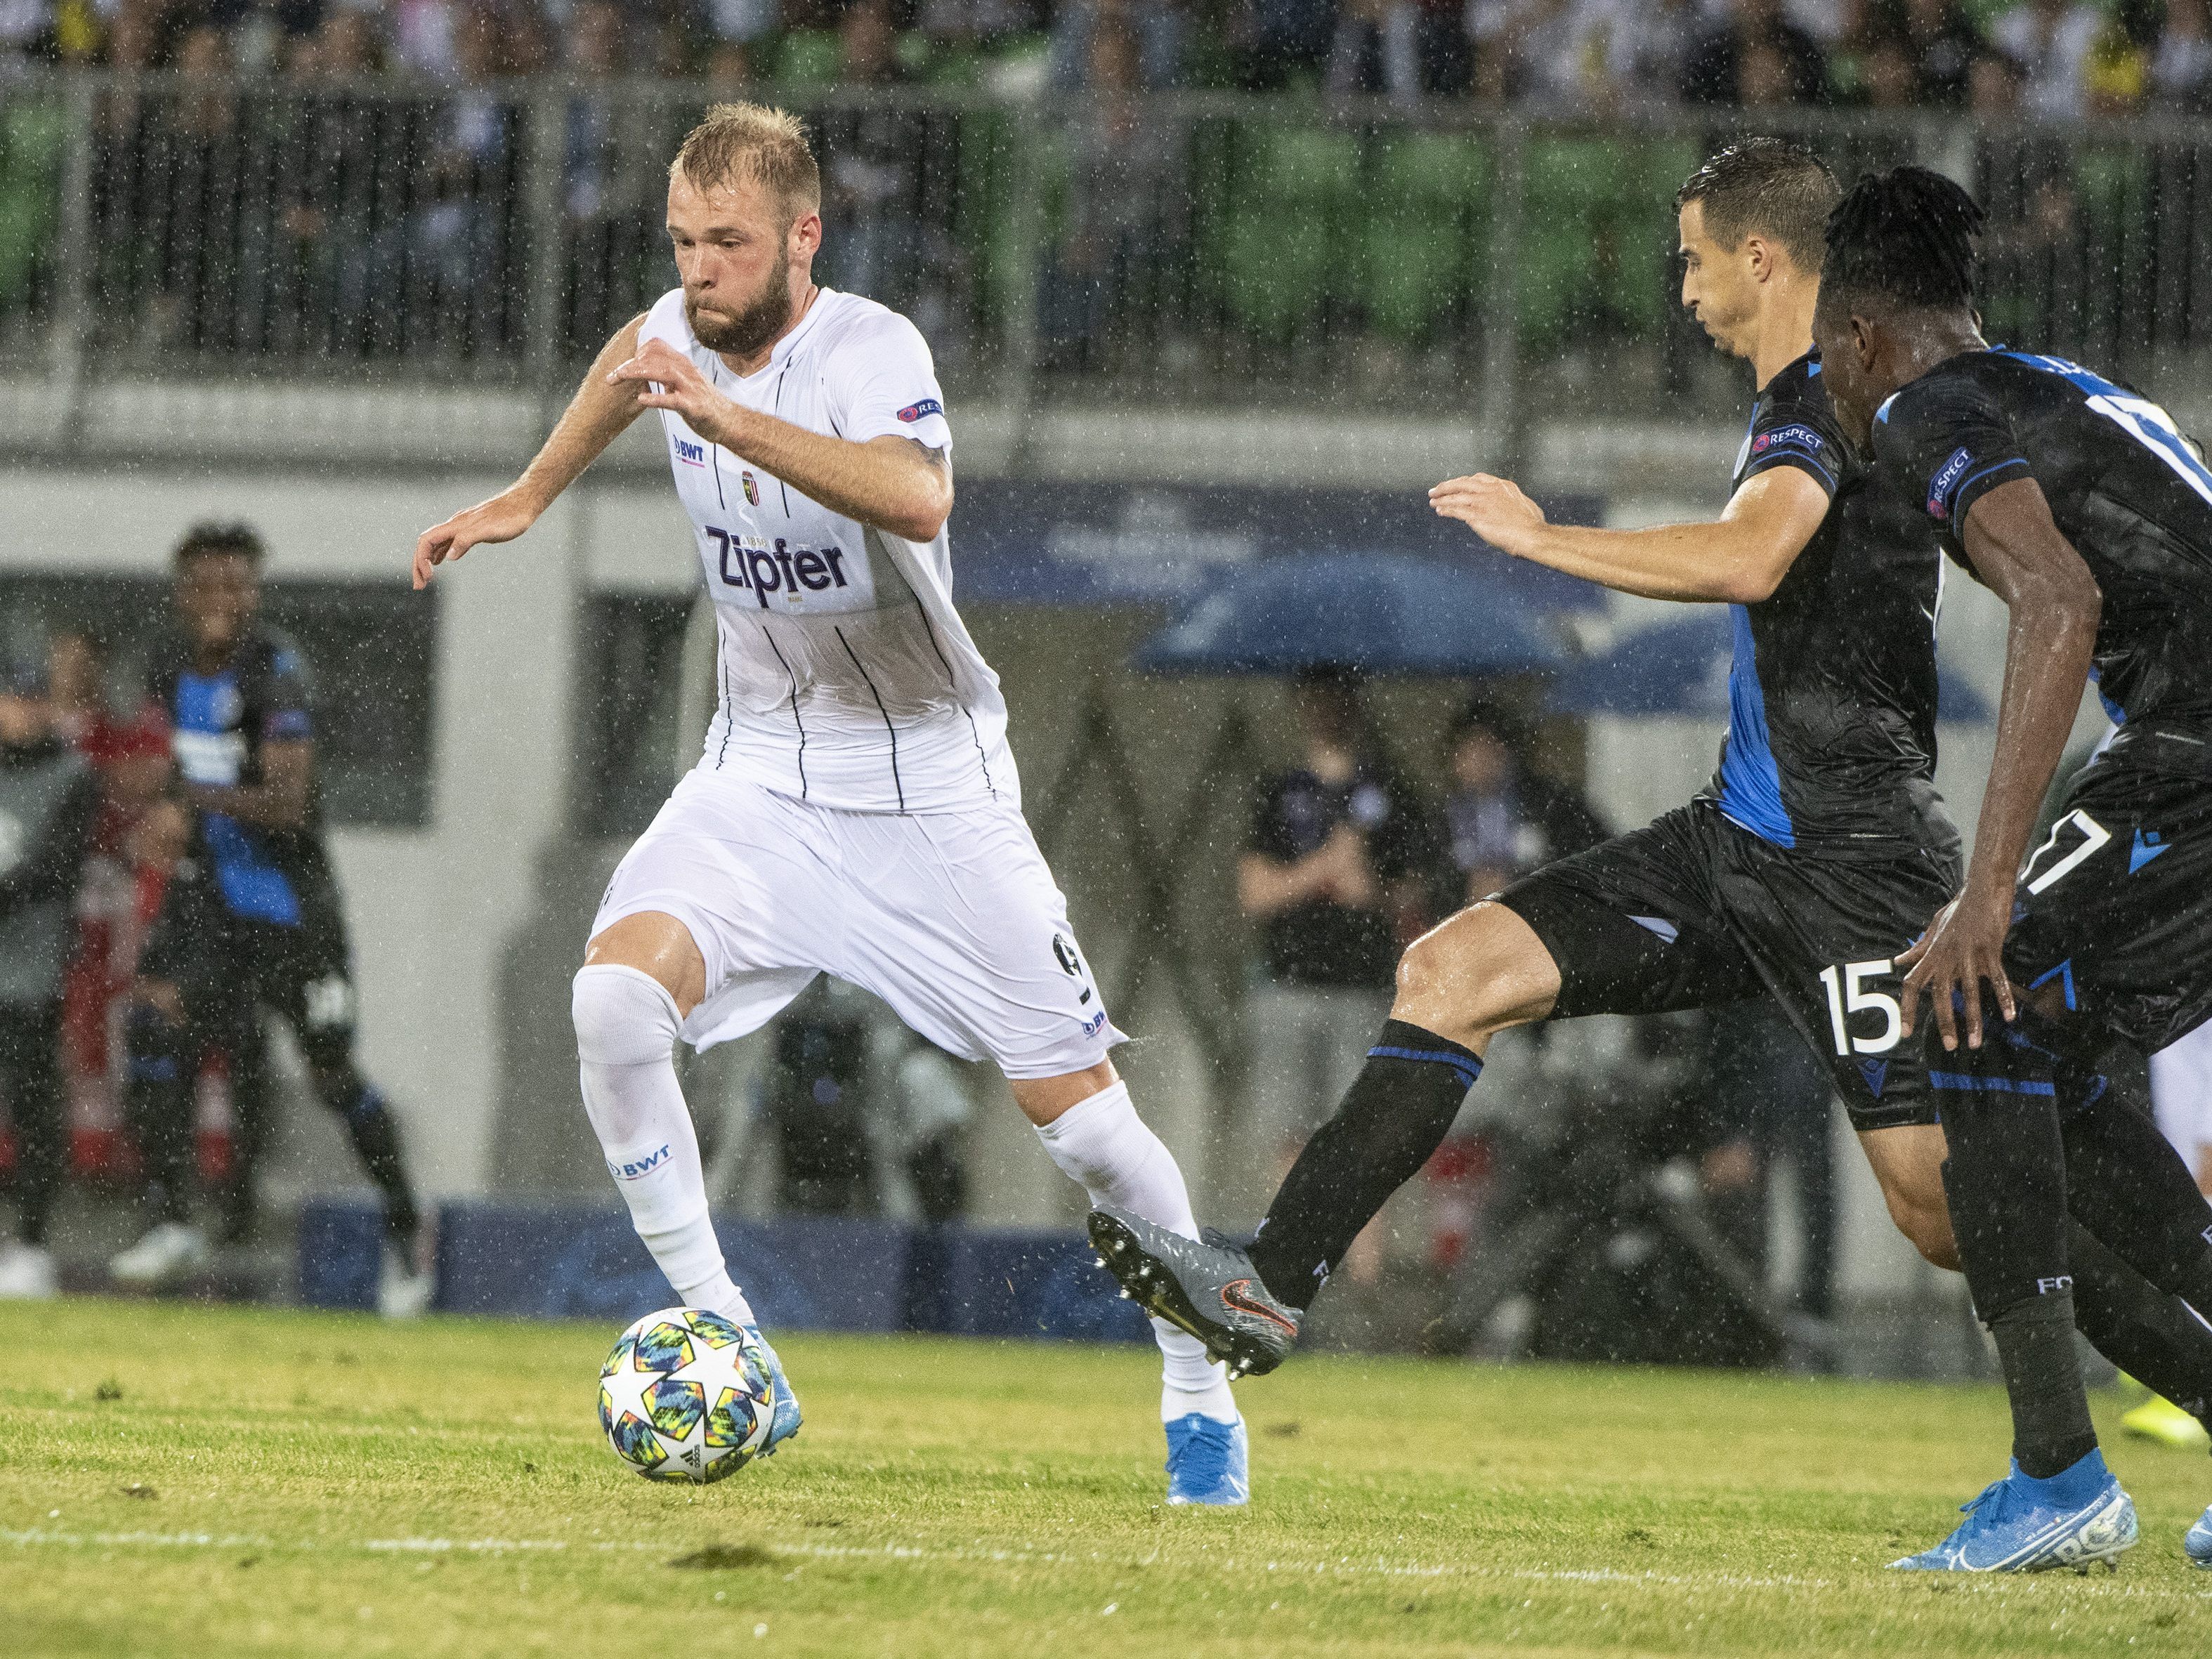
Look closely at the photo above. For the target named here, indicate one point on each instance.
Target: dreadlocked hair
(1907, 235)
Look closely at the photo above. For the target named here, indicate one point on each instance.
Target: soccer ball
(685, 1395)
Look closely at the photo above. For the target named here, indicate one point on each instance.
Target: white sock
(626, 1024)
(1103, 1146)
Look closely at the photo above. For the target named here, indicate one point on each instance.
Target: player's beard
(764, 317)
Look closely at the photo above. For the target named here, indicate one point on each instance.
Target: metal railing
(1212, 248)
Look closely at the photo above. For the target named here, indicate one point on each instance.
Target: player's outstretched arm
(595, 417)
(892, 482)
(1738, 559)
(2017, 550)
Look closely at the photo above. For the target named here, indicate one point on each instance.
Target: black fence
(1201, 248)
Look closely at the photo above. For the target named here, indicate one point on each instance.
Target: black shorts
(228, 969)
(2115, 909)
(1693, 911)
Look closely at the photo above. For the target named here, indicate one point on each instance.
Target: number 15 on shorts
(1846, 986)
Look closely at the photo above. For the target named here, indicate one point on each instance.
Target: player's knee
(623, 1017)
(1929, 1227)
(1459, 979)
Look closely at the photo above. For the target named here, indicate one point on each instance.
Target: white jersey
(845, 676)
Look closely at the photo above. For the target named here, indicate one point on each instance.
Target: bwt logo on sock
(637, 1167)
(2045, 1286)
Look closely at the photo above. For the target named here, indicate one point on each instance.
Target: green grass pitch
(184, 1481)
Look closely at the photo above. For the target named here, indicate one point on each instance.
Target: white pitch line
(1342, 1567)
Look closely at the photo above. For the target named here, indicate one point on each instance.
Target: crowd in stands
(2051, 58)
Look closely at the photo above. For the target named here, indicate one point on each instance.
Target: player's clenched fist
(667, 379)
(1494, 508)
(501, 519)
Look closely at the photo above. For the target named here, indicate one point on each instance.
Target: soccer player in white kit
(856, 810)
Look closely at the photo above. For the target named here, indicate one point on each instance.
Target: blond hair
(755, 144)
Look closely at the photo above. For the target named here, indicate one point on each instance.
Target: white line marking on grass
(1341, 1568)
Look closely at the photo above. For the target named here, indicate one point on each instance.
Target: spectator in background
(48, 802)
(1162, 30)
(1755, 55)
(2181, 67)
(1504, 819)
(870, 173)
(1340, 852)
(1944, 43)
(742, 23)
(1275, 42)
(130, 757)
(2050, 41)
(1375, 50)
(1121, 175)
(1579, 55)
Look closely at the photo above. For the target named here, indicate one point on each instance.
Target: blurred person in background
(1341, 852)
(130, 757)
(1755, 49)
(251, 920)
(871, 171)
(1375, 50)
(1122, 168)
(1588, 55)
(2050, 41)
(1503, 817)
(1276, 42)
(49, 799)
(1163, 29)
(2181, 64)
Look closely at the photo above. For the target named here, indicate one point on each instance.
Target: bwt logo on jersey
(1787, 437)
(1945, 483)
(689, 453)
(780, 569)
(913, 413)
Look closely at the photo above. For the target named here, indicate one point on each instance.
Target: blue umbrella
(1682, 668)
(1384, 613)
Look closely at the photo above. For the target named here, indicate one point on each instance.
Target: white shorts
(952, 918)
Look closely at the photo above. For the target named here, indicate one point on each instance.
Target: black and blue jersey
(2124, 485)
(1830, 747)
(219, 723)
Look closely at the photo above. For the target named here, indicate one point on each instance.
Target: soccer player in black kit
(1814, 857)
(2079, 504)
(252, 920)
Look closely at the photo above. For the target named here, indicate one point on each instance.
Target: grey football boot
(1207, 1285)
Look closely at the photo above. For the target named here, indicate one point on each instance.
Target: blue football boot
(1209, 1462)
(2197, 1546)
(784, 1423)
(2020, 1524)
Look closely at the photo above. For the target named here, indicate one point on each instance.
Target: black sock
(375, 1139)
(2005, 1179)
(2050, 1428)
(158, 1105)
(2152, 1336)
(2126, 1183)
(1396, 1114)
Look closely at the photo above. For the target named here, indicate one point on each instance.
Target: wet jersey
(2125, 486)
(844, 675)
(218, 724)
(1831, 746)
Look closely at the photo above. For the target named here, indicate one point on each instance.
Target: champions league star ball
(685, 1395)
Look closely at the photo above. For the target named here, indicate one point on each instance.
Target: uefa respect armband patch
(913, 413)
(1788, 437)
(1944, 486)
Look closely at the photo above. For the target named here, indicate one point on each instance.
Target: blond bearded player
(856, 812)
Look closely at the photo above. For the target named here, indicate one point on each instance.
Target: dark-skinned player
(2081, 507)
